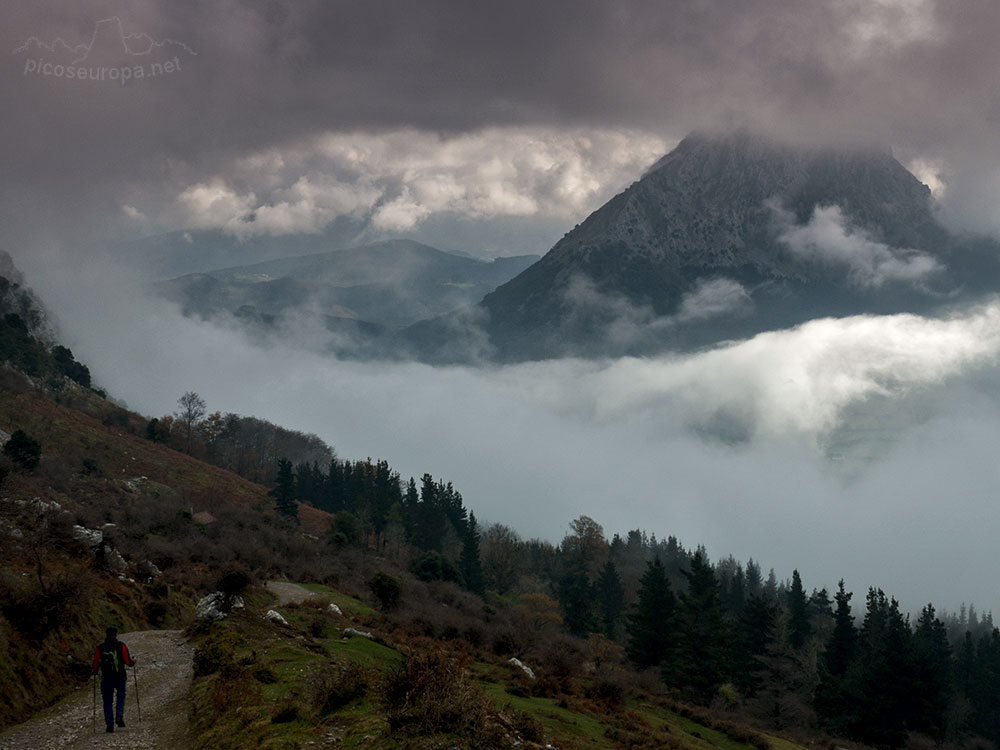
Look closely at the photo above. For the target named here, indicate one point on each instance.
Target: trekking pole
(135, 677)
(93, 715)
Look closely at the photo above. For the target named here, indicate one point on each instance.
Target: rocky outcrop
(216, 606)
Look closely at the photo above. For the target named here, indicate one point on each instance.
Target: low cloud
(829, 239)
(714, 297)
(615, 324)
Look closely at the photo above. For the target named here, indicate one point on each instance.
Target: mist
(858, 448)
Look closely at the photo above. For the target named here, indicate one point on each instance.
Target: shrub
(430, 694)
(433, 567)
(387, 590)
(156, 613)
(319, 626)
(265, 675)
(607, 689)
(333, 688)
(23, 450)
(527, 726)
(233, 581)
(217, 651)
(505, 644)
(285, 714)
(36, 611)
(343, 529)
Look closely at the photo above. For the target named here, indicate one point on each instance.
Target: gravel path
(288, 593)
(164, 673)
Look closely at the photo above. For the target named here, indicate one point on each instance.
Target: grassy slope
(240, 706)
(125, 471)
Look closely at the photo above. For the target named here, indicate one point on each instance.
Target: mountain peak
(729, 235)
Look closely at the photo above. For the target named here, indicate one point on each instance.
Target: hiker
(111, 658)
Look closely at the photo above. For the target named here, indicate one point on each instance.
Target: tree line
(722, 634)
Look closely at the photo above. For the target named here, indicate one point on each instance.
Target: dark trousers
(108, 689)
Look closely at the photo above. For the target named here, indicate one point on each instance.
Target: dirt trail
(288, 593)
(164, 671)
(163, 660)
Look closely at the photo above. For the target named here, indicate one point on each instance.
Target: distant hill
(361, 291)
(726, 237)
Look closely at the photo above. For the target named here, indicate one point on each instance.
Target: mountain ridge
(387, 284)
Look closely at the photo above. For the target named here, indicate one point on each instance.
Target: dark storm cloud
(915, 73)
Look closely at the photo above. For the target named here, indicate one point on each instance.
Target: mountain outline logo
(110, 55)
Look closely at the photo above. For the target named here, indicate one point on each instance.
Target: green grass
(699, 736)
(562, 726)
(348, 604)
(365, 652)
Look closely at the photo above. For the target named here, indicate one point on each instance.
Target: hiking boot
(110, 728)
(120, 721)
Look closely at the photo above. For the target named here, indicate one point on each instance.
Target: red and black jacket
(110, 659)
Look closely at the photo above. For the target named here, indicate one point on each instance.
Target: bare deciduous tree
(192, 410)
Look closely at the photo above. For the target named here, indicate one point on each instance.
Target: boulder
(275, 616)
(521, 665)
(333, 609)
(348, 632)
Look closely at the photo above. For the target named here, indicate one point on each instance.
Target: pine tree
(985, 687)
(284, 490)
(799, 627)
(782, 698)
(699, 666)
(651, 626)
(610, 597)
(754, 634)
(833, 702)
(470, 565)
(430, 522)
(932, 675)
(885, 673)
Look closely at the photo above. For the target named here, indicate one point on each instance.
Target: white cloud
(400, 178)
(712, 298)
(931, 172)
(827, 238)
(214, 205)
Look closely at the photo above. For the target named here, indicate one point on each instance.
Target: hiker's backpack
(112, 661)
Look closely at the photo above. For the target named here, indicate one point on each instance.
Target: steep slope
(728, 236)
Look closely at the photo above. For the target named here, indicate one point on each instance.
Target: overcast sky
(494, 129)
